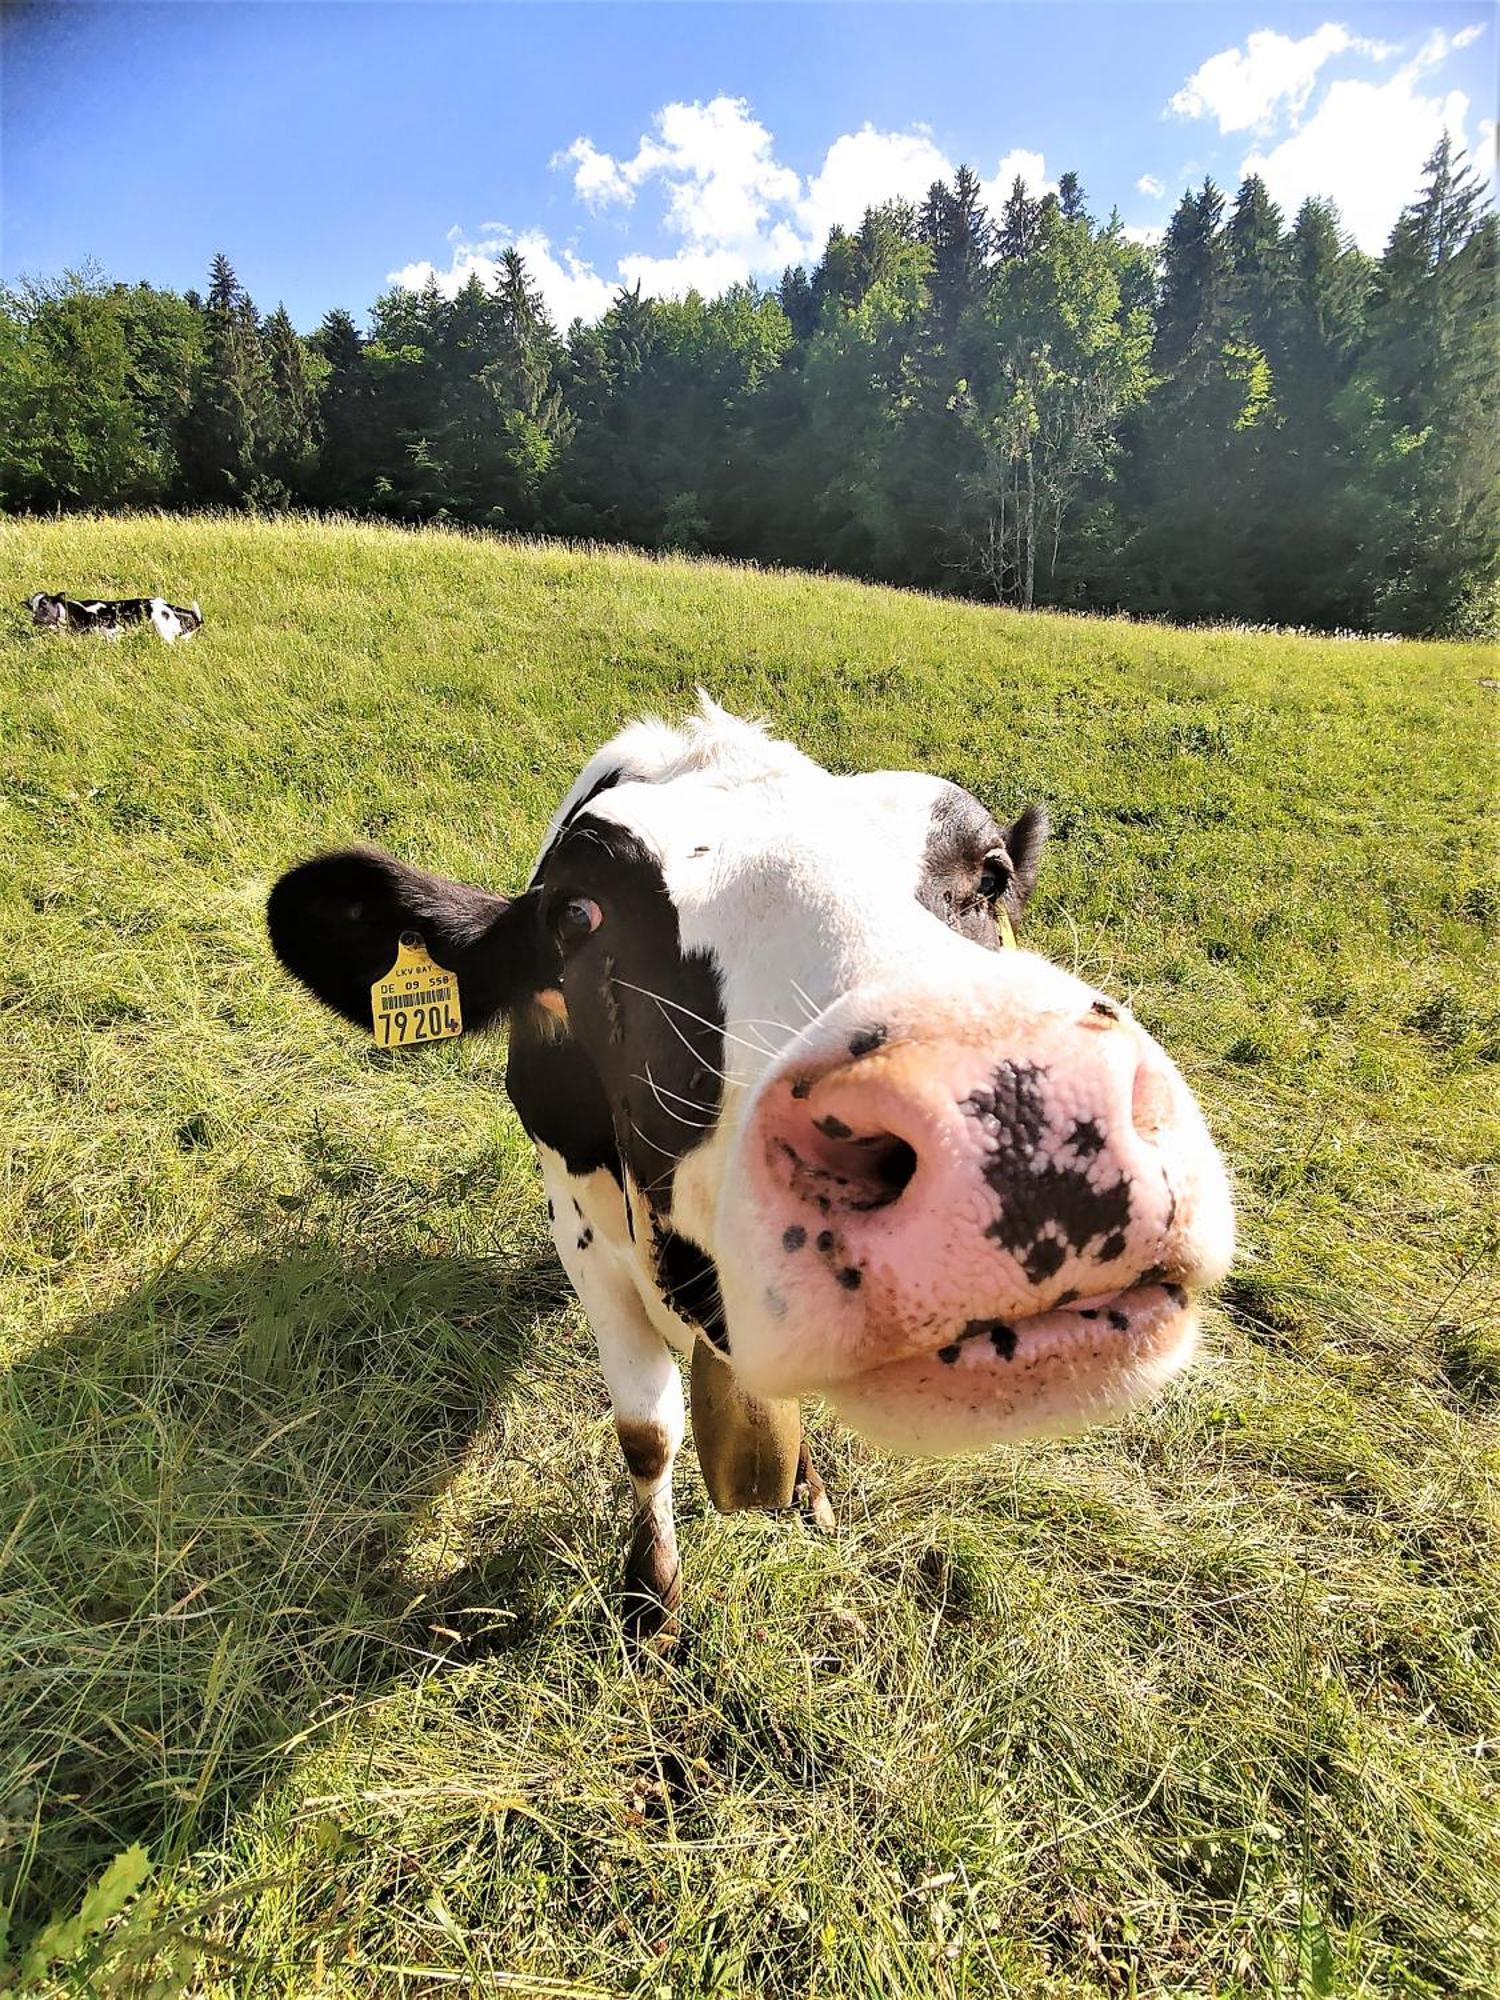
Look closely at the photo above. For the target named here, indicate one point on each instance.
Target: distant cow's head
(865, 1149)
(47, 608)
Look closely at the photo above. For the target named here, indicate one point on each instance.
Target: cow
(111, 615)
(806, 1113)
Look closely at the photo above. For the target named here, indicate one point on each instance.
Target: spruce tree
(1070, 198)
(1432, 366)
(289, 450)
(1258, 266)
(1018, 224)
(224, 423)
(347, 417)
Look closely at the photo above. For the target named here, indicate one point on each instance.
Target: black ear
(1024, 840)
(336, 921)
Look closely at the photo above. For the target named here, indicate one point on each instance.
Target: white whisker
(661, 1093)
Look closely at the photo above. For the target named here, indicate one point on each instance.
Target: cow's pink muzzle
(962, 1221)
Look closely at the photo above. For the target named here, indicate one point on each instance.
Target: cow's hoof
(653, 1587)
(817, 1507)
(651, 1628)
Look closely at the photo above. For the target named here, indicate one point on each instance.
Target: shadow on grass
(205, 1496)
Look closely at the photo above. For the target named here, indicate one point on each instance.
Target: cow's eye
(577, 918)
(994, 877)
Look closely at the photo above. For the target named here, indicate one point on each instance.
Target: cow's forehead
(805, 812)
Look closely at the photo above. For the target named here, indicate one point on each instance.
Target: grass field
(311, 1512)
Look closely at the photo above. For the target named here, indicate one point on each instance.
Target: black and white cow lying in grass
(801, 1115)
(111, 615)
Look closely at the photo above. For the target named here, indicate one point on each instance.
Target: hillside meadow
(311, 1510)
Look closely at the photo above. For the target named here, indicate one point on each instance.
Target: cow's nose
(1051, 1155)
(856, 1136)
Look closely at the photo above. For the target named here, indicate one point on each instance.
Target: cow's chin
(1050, 1375)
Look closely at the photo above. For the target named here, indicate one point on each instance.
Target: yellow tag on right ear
(416, 1001)
(1007, 930)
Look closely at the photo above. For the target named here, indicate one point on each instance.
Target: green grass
(310, 1508)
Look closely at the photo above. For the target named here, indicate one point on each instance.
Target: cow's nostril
(828, 1164)
(868, 1169)
(892, 1164)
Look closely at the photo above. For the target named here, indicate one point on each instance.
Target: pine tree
(1018, 224)
(1432, 367)
(224, 423)
(289, 448)
(1258, 266)
(957, 230)
(347, 417)
(1194, 453)
(1194, 313)
(798, 301)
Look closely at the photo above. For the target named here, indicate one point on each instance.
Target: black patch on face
(645, 1018)
(833, 1128)
(960, 837)
(850, 1279)
(948, 1355)
(557, 1096)
(794, 1237)
(1119, 1322)
(1046, 1208)
(585, 1239)
(688, 1280)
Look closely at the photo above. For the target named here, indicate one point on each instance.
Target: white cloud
(1149, 184)
(597, 179)
(1016, 164)
(738, 211)
(1149, 233)
(862, 170)
(715, 163)
(1364, 148)
(570, 287)
(1273, 76)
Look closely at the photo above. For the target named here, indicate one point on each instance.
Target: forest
(1251, 421)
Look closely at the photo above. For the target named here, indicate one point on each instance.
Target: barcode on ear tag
(416, 1001)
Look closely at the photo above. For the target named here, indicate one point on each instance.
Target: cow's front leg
(645, 1388)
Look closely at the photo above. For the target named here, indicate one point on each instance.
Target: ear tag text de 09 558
(416, 1001)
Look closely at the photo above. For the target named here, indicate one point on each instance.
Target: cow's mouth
(1052, 1372)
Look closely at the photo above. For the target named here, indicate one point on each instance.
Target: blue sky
(329, 148)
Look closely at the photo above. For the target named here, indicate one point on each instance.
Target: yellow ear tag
(416, 1001)
(1007, 933)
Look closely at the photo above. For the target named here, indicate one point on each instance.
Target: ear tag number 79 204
(416, 1001)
